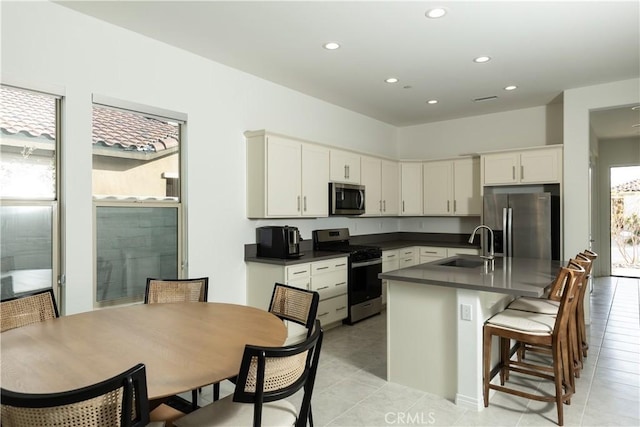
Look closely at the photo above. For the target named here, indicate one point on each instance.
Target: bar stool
(537, 330)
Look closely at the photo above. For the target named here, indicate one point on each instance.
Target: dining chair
(268, 375)
(541, 330)
(176, 290)
(161, 291)
(25, 309)
(295, 305)
(117, 401)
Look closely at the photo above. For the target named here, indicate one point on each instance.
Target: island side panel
(422, 337)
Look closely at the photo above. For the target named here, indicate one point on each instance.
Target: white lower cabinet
(434, 253)
(409, 256)
(328, 277)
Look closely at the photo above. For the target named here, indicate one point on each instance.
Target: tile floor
(351, 389)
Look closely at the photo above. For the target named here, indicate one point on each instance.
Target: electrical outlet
(465, 312)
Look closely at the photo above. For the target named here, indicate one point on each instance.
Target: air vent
(486, 98)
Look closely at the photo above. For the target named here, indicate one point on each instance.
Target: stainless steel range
(365, 263)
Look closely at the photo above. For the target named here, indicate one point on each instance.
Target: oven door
(346, 199)
(364, 283)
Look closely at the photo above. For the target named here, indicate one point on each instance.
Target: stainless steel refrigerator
(525, 225)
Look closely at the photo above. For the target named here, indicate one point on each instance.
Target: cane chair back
(26, 309)
(176, 290)
(118, 401)
(295, 304)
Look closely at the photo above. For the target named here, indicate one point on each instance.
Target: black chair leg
(194, 399)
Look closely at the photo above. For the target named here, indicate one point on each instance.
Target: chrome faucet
(490, 259)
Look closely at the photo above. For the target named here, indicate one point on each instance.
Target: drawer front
(295, 272)
(432, 251)
(300, 282)
(328, 266)
(389, 255)
(330, 285)
(332, 310)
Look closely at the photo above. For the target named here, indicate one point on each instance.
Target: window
(29, 227)
(136, 192)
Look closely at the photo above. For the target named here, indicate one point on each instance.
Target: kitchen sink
(462, 263)
(458, 261)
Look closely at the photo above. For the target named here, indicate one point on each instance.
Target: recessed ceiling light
(432, 101)
(511, 87)
(392, 80)
(482, 59)
(331, 46)
(435, 13)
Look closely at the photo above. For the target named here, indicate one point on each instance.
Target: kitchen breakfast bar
(435, 315)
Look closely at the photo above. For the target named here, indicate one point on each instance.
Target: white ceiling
(542, 47)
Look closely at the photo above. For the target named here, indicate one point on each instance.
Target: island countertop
(513, 276)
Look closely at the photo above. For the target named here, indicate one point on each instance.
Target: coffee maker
(278, 242)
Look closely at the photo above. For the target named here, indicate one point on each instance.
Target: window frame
(179, 204)
(57, 225)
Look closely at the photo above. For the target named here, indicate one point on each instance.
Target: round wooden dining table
(183, 346)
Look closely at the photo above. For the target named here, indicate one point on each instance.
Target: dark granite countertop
(385, 241)
(514, 276)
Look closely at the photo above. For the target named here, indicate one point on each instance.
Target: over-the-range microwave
(346, 199)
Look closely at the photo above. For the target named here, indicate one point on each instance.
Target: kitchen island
(435, 315)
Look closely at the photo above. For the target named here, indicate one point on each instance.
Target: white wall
(527, 127)
(577, 105)
(80, 56)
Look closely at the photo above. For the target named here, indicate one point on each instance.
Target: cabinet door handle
(455, 207)
(513, 172)
(323, 314)
(340, 284)
(391, 256)
(299, 272)
(323, 287)
(447, 205)
(403, 206)
(341, 308)
(305, 203)
(521, 172)
(341, 265)
(322, 268)
(298, 203)
(430, 252)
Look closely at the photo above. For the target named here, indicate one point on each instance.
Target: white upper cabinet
(410, 188)
(286, 178)
(452, 187)
(390, 187)
(531, 166)
(345, 166)
(315, 180)
(381, 181)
